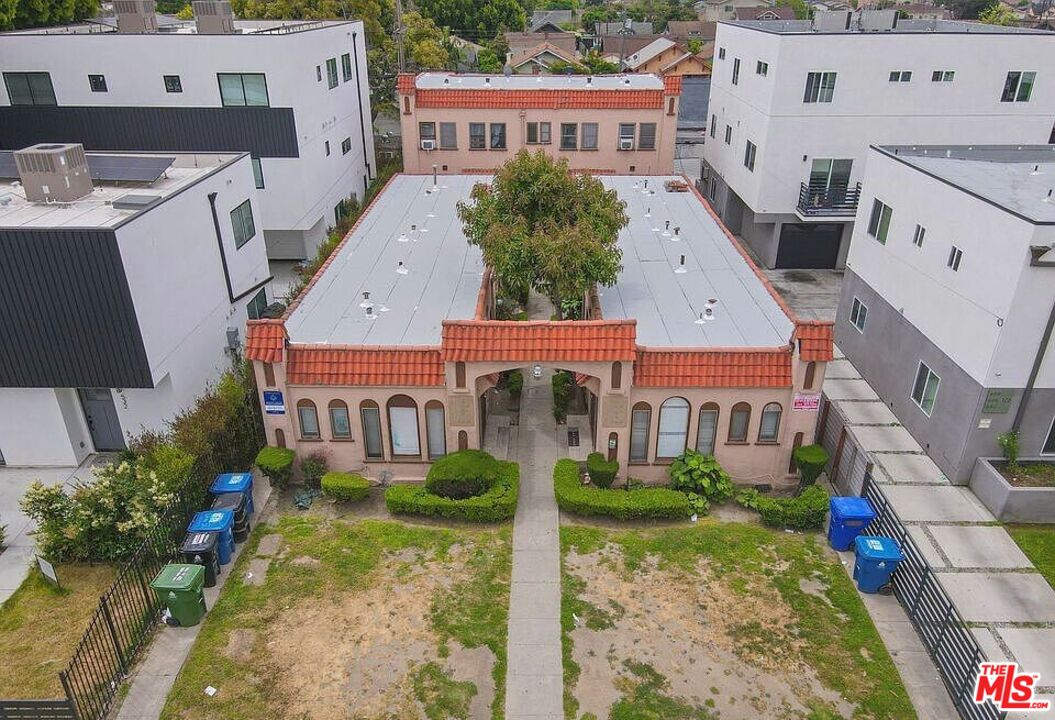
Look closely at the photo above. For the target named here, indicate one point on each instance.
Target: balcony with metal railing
(828, 201)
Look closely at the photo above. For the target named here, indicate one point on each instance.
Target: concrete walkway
(998, 592)
(155, 675)
(534, 679)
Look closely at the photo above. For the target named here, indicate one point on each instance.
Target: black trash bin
(236, 503)
(199, 548)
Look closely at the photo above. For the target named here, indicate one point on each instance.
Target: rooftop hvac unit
(136, 16)
(626, 144)
(428, 145)
(832, 20)
(213, 17)
(53, 172)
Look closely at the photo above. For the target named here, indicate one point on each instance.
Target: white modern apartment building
(948, 301)
(294, 95)
(795, 104)
(126, 282)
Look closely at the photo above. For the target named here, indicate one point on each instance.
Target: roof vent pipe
(401, 268)
(681, 266)
(370, 313)
(366, 300)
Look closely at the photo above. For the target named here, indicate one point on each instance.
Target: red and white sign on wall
(807, 401)
(1007, 688)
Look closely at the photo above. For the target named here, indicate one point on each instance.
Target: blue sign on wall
(273, 403)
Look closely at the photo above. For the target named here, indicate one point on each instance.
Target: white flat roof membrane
(435, 81)
(445, 272)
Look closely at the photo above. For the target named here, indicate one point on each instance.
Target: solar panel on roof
(107, 168)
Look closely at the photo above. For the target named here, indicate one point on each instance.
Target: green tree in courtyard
(998, 14)
(542, 227)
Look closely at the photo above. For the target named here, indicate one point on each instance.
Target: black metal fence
(825, 201)
(944, 633)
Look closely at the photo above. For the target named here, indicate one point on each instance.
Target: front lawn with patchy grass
(721, 619)
(1038, 543)
(324, 618)
(40, 626)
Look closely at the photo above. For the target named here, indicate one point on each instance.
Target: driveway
(16, 558)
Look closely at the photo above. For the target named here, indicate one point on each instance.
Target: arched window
(794, 446)
(269, 374)
(811, 371)
(617, 375)
(708, 431)
(459, 374)
(673, 430)
(641, 420)
(769, 427)
(739, 420)
(463, 440)
(340, 424)
(370, 414)
(280, 437)
(309, 420)
(403, 426)
(435, 429)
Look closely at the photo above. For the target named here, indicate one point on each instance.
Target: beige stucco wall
(692, 66)
(607, 156)
(749, 463)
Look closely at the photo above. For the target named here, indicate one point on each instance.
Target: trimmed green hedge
(276, 463)
(345, 486)
(497, 504)
(803, 512)
(652, 503)
(602, 471)
(463, 474)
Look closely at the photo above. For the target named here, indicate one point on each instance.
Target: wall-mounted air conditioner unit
(428, 145)
(626, 144)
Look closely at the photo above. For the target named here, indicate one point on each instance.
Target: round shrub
(345, 486)
(602, 472)
(276, 463)
(462, 474)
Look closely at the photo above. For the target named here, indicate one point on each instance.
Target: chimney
(53, 172)
(136, 16)
(213, 17)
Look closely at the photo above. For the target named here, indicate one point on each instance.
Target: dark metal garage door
(809, 245)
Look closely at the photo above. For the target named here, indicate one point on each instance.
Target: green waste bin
(179, 588)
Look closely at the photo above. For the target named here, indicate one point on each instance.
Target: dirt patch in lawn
(716, 649)
(360, 650)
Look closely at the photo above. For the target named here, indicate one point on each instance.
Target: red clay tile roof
(672, 84)
(816, 340)
(265, 340)
(405, 83)
(541, 99)
(365, 365)
(713, 368)
(539, 341)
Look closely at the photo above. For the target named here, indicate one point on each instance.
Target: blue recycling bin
(877, 559)
(849, 518)
(241, 482)
(218, 521)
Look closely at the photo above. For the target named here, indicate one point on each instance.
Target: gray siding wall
(261, 131)
(66, 313)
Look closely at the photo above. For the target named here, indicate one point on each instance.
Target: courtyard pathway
(534, 679)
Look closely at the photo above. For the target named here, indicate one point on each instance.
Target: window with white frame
(673, 428)
(918, 235)
(858, 315)
(435, 430)
(346, 66)
(626, 135)
(331, 73)
(589, 136)
(708, 429)
(640, 422)
(761, 68)
(942, 76)
(370, 414)
(1018, 86)
(925, 388)
(646, 136)
(477, 136)
(728, 134)
(820, 87)
(448, 136)
(955, 255)
(901, 76)
(403, 427)
(879, 221)
(750, 151)
(569, 136)
(309, 420)
(769, 424)
(242, 222)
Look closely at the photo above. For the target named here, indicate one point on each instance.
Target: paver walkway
(998, 592)
(534, 679)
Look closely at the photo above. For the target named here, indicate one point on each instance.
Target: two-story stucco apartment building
(948, 301)
(294, 95)
(384, 361)
(624, 124)
(124, 295)
(795, 104)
